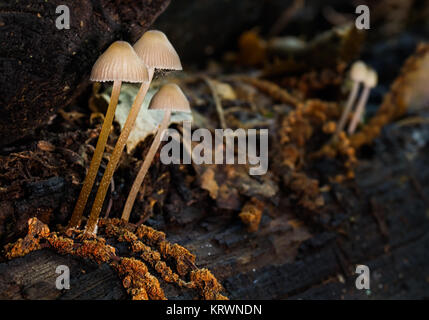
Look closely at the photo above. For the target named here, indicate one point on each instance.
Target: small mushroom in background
(156, 52)
(369, 83)
(119, 63)
(357, 75)
(169, 98)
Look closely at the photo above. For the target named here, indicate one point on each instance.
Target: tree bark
(43, 68)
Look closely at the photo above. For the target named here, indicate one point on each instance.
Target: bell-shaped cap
(371, 78)
(119, 63)
(156, 51)
(170, 97)
(358, 71)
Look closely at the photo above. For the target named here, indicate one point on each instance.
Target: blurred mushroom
(357, 75)
(169, 98)
(118, 63)
(155, 51)
(369, 83)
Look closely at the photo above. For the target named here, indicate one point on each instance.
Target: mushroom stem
(116, 155)
(359, 109)
(145, 167)
(348, 107)
(96, 158)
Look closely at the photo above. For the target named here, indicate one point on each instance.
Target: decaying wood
(39, 283)
(294, 254)
(302, 248)
(44, 68)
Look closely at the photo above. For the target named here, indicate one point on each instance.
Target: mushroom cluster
(359, 73)
(369, 82)
(123, 63)
(119, 64)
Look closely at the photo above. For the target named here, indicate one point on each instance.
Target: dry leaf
(147, 121)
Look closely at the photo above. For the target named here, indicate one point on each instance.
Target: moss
(207, 284)
(251, 214)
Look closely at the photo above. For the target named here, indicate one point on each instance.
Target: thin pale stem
(145, 167)
(359, 110)
(96, 158)
(116, 155)
(348, 107)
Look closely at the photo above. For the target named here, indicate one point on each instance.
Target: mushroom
(118, 63)
(156, 52)
(369, 83)
(357, 75)
(169, 98)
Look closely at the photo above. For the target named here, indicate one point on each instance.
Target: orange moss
(21, 247)
(36, 231)
(299, 125)
(36, 228)
(185, 261)
(151, 235)
(329, 127)
(251, 214)
(296, 130)
(290, 156)
(307, 190)
(61, 245)
(140, 284)
(307, 83)
(252, 49)
(148, 254)
(96, 250)
(207, 284)
(270, 88)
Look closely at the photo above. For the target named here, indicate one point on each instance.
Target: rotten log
(315, 259)
(43, 68)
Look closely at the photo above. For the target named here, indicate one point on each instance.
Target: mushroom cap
(119, 63)
(170, 97)
(371, 78)
(156, 51)
(358, 72)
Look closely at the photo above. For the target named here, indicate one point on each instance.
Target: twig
(286, 16)
(217, 101)
(412, 121)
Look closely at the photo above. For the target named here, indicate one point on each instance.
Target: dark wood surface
(380, 220)
(43, 68)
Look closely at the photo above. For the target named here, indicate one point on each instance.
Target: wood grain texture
(43, 68)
